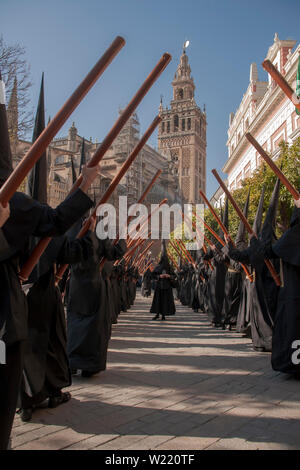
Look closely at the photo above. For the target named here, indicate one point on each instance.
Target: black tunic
(263, 295)
(46, 365)
(287, 318)
(163, 300)
(29, 217)
(88, 314)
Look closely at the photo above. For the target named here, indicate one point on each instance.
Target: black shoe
(156, 317)
(163, 318)
(26, 414)
(88, 373)
(258, 349)
(53, 402)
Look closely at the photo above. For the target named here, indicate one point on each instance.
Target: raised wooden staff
(111, 188)
(192, 261)
(100, 152)
(148, 266)
(130, 252)
(278, 78)
(137, 237)
(224, 230)
(146, 220)
(173, 261)
(273, 166)
(116, 180)
(247, 225)
(144, 252)
(180, 245)
(41, 143)
(143, 196)
(180, 254)
(212, 232)
(138, 264)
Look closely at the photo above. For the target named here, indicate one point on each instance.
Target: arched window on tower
(180, 94)
(168, 126)
(183, 124)
(189, 124)
(176, 122)
(163, 127)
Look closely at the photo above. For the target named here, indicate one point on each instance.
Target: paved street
(178, 384)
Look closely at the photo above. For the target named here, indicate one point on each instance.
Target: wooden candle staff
(247, 225)
(41, 143)
(224, 230)
(278, 78)
(273, 167)
(99, 154)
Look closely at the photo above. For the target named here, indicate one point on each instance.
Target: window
(180, 94)
(189, 124)
(176, 122)
(183, 124)
(247, 170)
(168, 126)
(163, 127)
(239, 180)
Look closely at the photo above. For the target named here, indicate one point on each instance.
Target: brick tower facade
(182, 133)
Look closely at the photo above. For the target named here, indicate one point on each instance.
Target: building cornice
(268, 103)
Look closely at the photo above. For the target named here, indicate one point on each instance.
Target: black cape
(163, 300)
(88, 314)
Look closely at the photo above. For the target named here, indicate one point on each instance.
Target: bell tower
(182, 133)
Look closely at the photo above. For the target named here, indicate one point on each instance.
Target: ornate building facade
(182, 134)
(266, 113)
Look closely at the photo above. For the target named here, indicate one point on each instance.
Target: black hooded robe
(46, 365)
(287, 318)
(216, 288)
(27, 217)
(263, 295)
(88, 314)
(163, 299)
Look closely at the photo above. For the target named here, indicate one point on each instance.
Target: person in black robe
(106, 273)
(163, 300)
(88, 313)
(216, 287)
(286, 334)
(146, 283)
(27, 218)
(46, 366)
(263, 290)
(116, 292)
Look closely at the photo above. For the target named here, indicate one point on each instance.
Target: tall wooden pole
(273, 167)
(98, 155)
(280, 80)
(41, 143)
(247, 225)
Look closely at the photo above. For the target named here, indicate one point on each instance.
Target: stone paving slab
(178, 384)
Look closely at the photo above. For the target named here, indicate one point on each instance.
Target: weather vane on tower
(185, 45)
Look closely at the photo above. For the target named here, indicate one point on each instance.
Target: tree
(288, 161)
(15, 71)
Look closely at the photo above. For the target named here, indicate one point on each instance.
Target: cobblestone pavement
(178, 384)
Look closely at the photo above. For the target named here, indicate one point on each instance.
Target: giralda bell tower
(182, 133)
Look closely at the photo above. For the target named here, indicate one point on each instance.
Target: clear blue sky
(65, 39)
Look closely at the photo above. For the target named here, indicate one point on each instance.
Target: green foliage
(288, 161)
